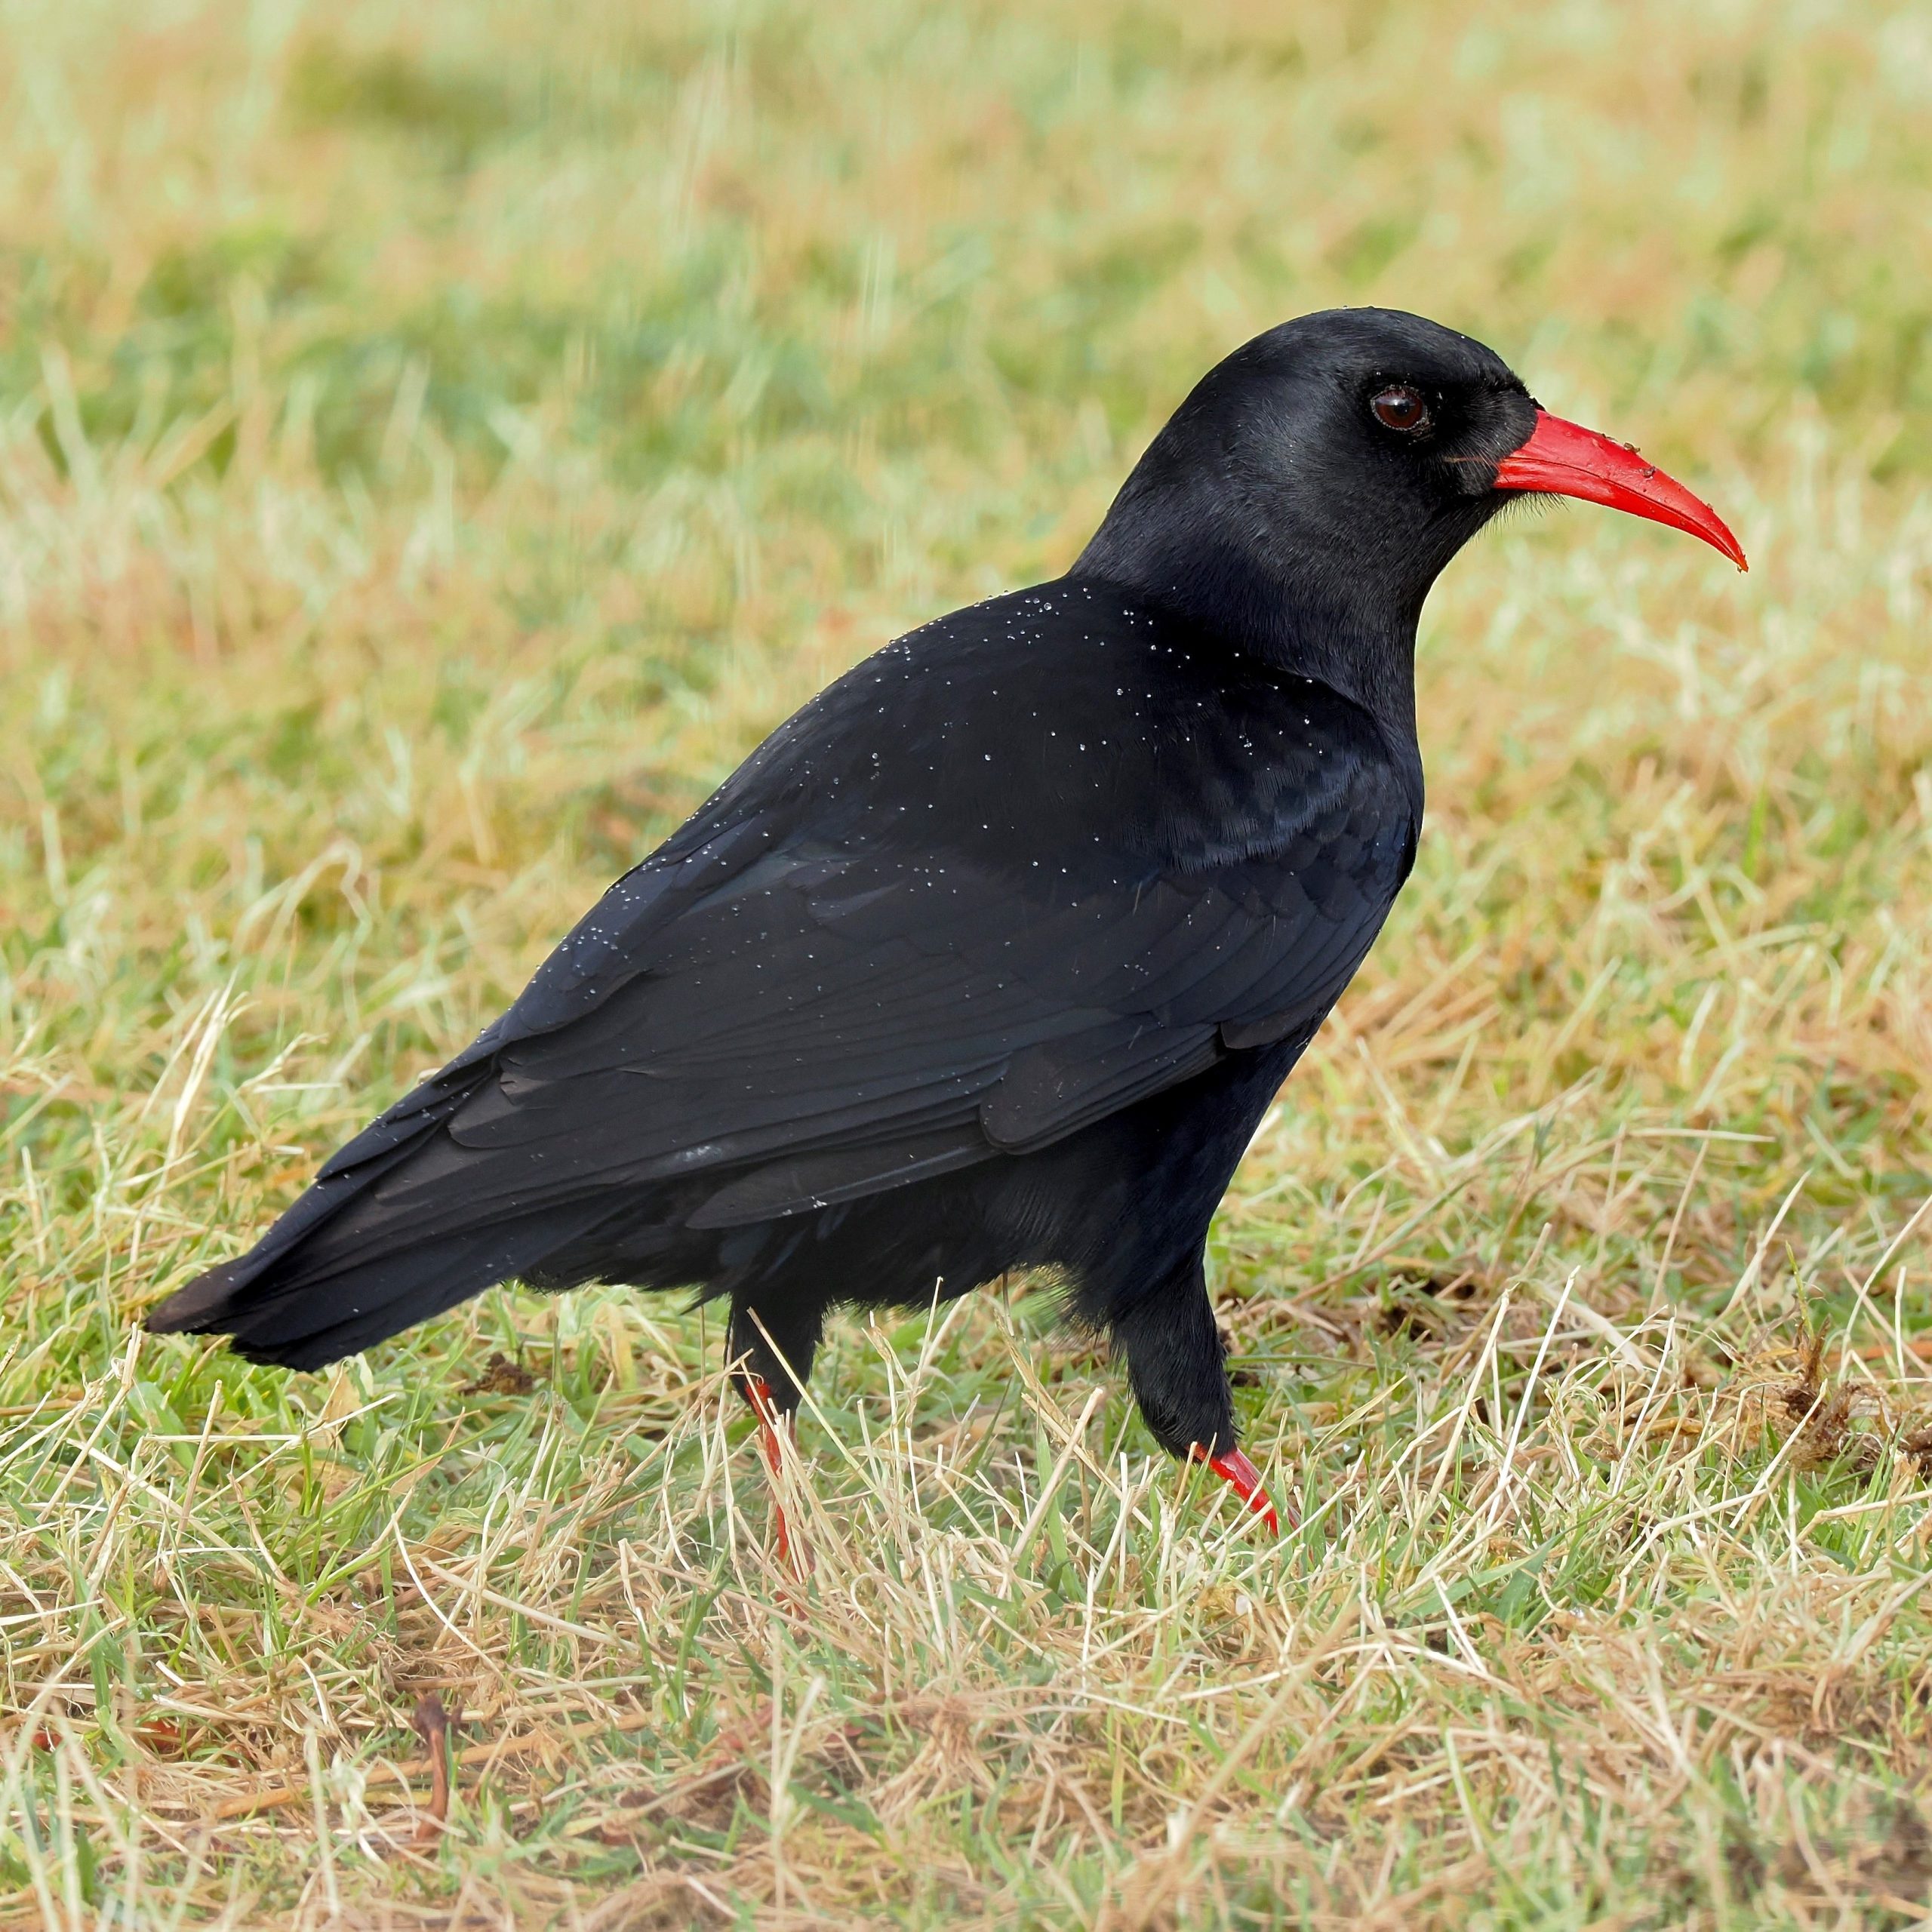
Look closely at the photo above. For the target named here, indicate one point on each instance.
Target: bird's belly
(1130, 1194)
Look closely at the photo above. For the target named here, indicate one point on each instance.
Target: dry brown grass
(434, 447)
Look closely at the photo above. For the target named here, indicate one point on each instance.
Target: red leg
(771, 1422)
(1235, 1468)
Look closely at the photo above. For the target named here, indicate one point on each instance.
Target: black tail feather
(345, 1268)
(320, 1320)
(299, 1301)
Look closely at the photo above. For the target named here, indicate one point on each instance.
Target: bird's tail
(388, 1235)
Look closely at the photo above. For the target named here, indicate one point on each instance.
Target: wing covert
(851, 970)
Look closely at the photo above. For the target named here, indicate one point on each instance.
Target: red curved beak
(1566, 459)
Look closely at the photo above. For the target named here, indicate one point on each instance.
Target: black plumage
(992, 956)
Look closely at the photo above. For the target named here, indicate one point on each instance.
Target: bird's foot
(1236, 1470)
(774, 1439)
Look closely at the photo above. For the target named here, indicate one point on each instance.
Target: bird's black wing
(817, 992)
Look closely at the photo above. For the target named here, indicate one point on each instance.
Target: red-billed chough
(991, 957)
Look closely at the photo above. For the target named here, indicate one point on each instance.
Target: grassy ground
(435, 444)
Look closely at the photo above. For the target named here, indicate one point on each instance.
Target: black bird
(991, 956)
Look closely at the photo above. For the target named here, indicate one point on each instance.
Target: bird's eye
(1401, 408)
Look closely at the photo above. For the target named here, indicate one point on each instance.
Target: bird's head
(1313, 486)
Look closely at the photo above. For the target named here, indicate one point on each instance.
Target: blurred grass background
(436, 444)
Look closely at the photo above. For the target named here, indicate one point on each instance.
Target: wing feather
(823, 985)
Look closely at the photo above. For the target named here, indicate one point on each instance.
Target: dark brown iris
(1400, 408)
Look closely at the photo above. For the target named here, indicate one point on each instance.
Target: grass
(435, 444)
